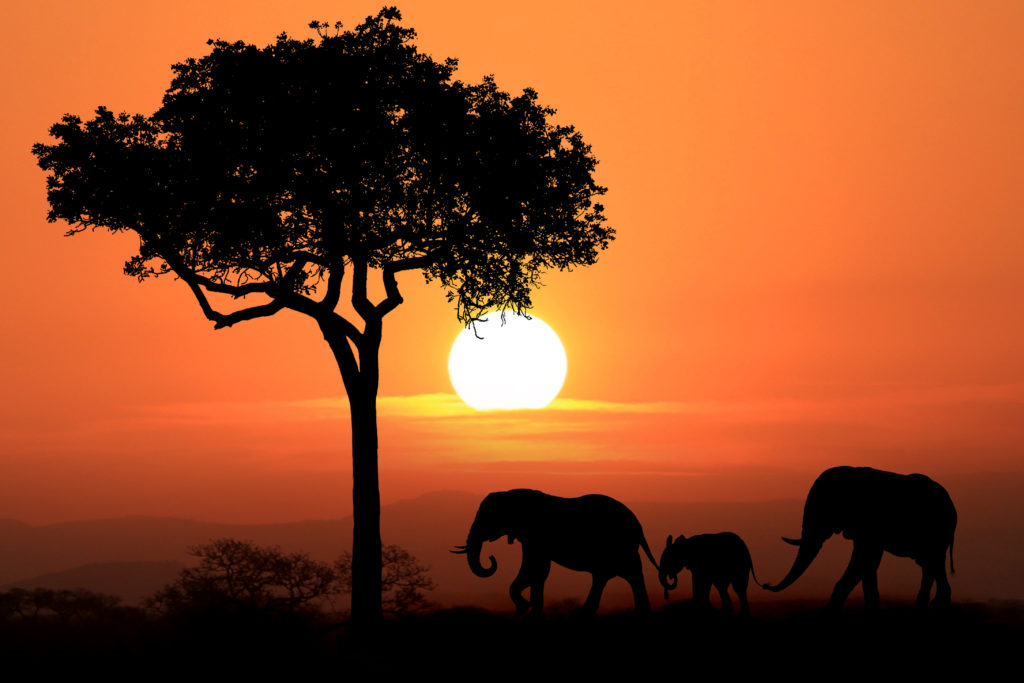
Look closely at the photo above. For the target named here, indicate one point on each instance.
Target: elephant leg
(723, 591)
(701, 589)
(927, 579)
(850, 578)
(741, 593)
(538, 576)
(641, 602)
(533, 573)
(594, 597)
(519, 584)
(943, 593)
(740, 586)
(870, 559)
(526, 577)
(934, 571)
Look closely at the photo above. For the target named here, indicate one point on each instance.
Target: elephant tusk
(792, 541)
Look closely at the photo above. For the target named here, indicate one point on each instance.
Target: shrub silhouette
(37, 604)
(238, 575)
(403, 581)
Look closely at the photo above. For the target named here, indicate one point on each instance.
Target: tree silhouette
(64, 605)
(237, 575)
(291, 172)
(240, 575)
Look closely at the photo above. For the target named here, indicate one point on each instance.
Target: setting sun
(516, 363)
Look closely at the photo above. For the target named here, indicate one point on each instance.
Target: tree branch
(261, 311)
(360, 302)
(411, 263)
(332, 296)
(342, 350)
(196, 283)
(221, 319)
(394, 297)
(317, 311)
(309, 257)
(200, 295)
(236, 291)
(282, 298)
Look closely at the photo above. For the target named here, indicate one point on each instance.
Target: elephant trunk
(667, 582)
(808, 551)
(473, 549)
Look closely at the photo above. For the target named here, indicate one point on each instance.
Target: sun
(518, 364)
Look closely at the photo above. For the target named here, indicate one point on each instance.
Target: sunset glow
(818, 261)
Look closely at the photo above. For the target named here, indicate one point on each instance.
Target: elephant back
(592, 530)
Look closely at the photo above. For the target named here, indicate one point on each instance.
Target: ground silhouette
(786, 639)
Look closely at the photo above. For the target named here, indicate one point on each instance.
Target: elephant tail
(752, 573)
(750, 562)
(647, 549)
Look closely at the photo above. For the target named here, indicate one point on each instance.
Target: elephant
(592, 533)
(718, 560)
(908, 515)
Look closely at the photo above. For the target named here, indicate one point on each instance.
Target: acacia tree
(278, 177)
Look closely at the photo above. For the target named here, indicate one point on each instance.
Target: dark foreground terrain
(798, 640)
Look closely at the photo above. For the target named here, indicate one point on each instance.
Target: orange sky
(820, 261)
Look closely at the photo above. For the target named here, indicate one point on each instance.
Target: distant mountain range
(135, 556)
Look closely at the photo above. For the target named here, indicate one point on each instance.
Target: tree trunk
(361, 381)
(366, 543)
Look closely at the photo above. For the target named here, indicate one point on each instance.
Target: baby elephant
(714, 560)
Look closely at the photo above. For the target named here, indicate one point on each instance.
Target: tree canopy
(271, 170)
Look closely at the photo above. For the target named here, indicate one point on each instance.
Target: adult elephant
(592, 533)
(908, 515)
